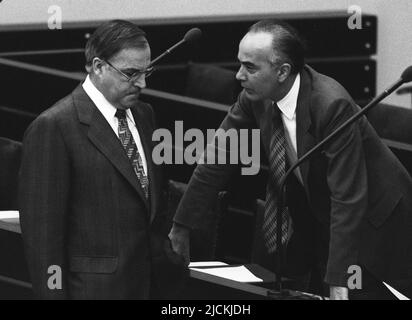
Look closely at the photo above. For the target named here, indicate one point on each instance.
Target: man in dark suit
(349, 206)
(90, 194)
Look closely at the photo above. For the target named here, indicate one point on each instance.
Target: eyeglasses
(136, 75)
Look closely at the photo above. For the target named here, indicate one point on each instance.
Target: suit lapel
(105, 140)
(305, 140)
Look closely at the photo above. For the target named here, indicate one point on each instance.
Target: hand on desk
(338, 293)
(180, 239)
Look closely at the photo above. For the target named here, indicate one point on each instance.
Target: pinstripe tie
(277, 168)
(132, 152)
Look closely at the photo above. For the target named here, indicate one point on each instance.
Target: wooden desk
(206, 286)
(203, 286)
(15, 280)
(12, 225)
(14, 275)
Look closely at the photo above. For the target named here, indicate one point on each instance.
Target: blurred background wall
(394, 20)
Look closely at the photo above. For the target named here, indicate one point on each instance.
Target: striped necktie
(129, 145)
(277, 169)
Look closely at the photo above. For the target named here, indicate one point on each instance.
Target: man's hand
(180, 239)
(339, 293)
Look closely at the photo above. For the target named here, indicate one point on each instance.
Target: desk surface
(10, 221)
(213, 284)
(12, 225)
(266, 275)
(213, 287)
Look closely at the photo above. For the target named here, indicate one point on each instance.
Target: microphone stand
(167, 51)
(192, 35)
(279, 292)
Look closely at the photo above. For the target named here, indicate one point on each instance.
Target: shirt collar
(104, 106)
(287, 104)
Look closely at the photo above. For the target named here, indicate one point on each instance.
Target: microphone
(405, 77)
(192, 35)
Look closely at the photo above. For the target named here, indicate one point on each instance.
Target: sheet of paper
(240, 274)
(9, 215)
(206, 264)
(396, 293)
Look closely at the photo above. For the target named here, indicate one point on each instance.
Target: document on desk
(196, 264)
(5, 215)
(396, 293)
(240, 273)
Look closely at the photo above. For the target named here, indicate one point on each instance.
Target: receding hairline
(278, 32)
(277, 29)
(276, 54)
(286, 41)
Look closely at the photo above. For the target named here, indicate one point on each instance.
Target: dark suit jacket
(82, 207)
(357, 189)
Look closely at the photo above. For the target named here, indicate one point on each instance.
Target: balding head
(263, 73)
(286, 44)
(258, 45)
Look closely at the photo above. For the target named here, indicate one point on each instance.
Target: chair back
(212, 83)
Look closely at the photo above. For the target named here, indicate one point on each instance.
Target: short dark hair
(286, 41)
(111, 37)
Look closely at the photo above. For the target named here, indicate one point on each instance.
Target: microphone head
(407, 75)
(192, 34)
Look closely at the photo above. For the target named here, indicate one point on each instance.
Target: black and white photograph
(206, 155)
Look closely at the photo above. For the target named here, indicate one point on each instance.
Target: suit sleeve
(209, 176)
(43, 198)
(348, 184)
(162, 220)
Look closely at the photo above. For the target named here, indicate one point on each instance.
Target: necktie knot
(120, 114)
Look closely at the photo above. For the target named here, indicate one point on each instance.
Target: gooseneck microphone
(407, 75)
(192, 35)
(405, 78)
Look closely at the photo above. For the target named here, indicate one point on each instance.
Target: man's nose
(140, 82)
(240, 75)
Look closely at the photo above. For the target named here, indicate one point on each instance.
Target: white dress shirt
(287, 106)
(109, 111)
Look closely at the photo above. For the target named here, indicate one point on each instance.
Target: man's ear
(284, 72)
(97, 65)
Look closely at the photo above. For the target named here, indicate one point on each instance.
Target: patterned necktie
(277, 169)
(129, 145)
